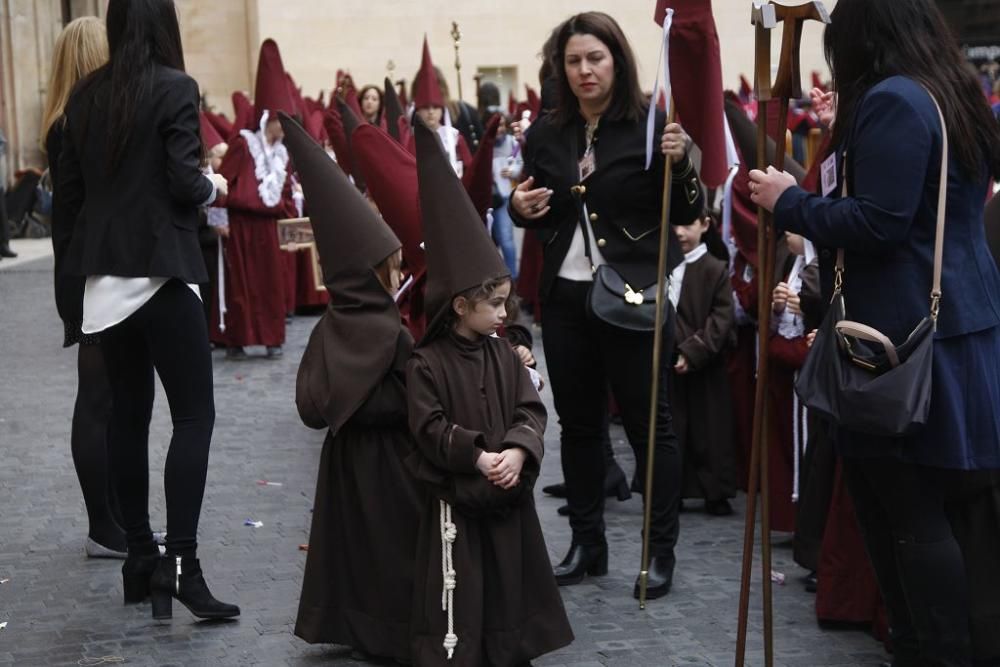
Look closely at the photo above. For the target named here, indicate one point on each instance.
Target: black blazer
(623, 199)
(142, 219)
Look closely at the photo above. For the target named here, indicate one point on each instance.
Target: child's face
(273, 131)
(216, 154)
(431, 116)
(370, 102)
(690, 235)
(486, 316)
(796, 244)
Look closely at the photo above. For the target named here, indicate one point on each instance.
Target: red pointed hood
(426, 91)
(209, 135)
(244, 110)
(271, 92)
(220, 124)
(314, 126)
(478, 179)
(390, 172)
(534, 101)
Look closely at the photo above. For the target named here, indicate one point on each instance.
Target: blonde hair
(81, 48)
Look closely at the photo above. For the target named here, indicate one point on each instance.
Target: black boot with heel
(137, 570)
(181, 577)
(582, 560)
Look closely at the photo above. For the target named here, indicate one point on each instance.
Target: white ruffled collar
(270, 163)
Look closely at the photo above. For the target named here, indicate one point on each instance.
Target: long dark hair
(627, 101)
(141, 35)
(871, 40)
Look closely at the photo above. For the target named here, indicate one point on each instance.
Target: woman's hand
(794, 303)
(767, 187)
(674, 142)
(681, 367)
(811, 338)
(825, 106)
(518, 128)
(529, 202)
(220, 183)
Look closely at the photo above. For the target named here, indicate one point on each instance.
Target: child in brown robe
(484, 593)
(359, 568)
(699, 393)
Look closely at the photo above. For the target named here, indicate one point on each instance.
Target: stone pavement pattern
(61, 607)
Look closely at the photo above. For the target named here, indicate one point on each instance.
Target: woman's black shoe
(811, 582)
(181, 578)
(582, 560)
(661, 576)
(719, 507)
(136, 573)
(555, 490)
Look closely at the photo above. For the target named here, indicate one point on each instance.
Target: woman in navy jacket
(887, 59)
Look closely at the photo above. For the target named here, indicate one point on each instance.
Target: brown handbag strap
(939, 233)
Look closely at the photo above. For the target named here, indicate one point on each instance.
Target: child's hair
(385, 269)
(477, 295)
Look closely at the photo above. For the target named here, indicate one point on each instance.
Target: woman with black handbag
(597, 211)
(905, 253)
(129, 186)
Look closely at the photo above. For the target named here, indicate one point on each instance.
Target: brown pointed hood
(271, 92)
(426, 91)
(392, 109)
(460, 253)
(354, 344)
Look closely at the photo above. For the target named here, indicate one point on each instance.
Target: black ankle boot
(582, 560)
(659, 579)
(181, 578)
(5, 250)
(136, 572)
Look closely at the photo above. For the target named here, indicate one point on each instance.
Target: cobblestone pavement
(60, 607)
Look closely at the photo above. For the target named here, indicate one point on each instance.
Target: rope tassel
(448, 577)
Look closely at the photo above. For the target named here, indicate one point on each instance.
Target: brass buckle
(633, 297)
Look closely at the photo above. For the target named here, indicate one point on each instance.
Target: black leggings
(169, 334)
(902, 511)
(583, 358)
(89, 444)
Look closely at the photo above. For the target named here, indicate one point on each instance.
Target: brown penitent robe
(464, 397)
(359, 568)
(700, 398)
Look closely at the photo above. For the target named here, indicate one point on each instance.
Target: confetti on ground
(253, 524)
(4, 581)
(262, 482)
(778, 578)
(3, 626)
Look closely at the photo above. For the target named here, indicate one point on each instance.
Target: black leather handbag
(855, 376)
(611, 299)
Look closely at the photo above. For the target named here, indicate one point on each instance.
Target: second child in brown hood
(359, 570)
(479, 424)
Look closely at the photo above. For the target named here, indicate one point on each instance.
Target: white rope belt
(448, 534)
(221, 270)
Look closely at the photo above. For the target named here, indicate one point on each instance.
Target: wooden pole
(787, 85)
(456, 36)
(661, 279)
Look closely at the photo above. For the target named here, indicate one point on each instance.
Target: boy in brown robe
(484, 593)
(699, 393)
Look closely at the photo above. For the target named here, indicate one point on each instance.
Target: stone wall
(221, 40)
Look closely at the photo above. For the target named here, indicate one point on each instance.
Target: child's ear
(460, 305)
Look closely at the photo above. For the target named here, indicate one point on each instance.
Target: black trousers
(584, 357)
(904, 512)
(167, 334)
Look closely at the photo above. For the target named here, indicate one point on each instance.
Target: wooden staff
(456, 36)
(661, 279)
(786, 86)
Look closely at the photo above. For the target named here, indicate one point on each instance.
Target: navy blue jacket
(886, 225)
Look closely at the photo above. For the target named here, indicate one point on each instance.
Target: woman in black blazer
(596, 136)
(130, 186)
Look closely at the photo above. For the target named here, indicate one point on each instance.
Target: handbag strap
(578, 191)
(939, 232)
